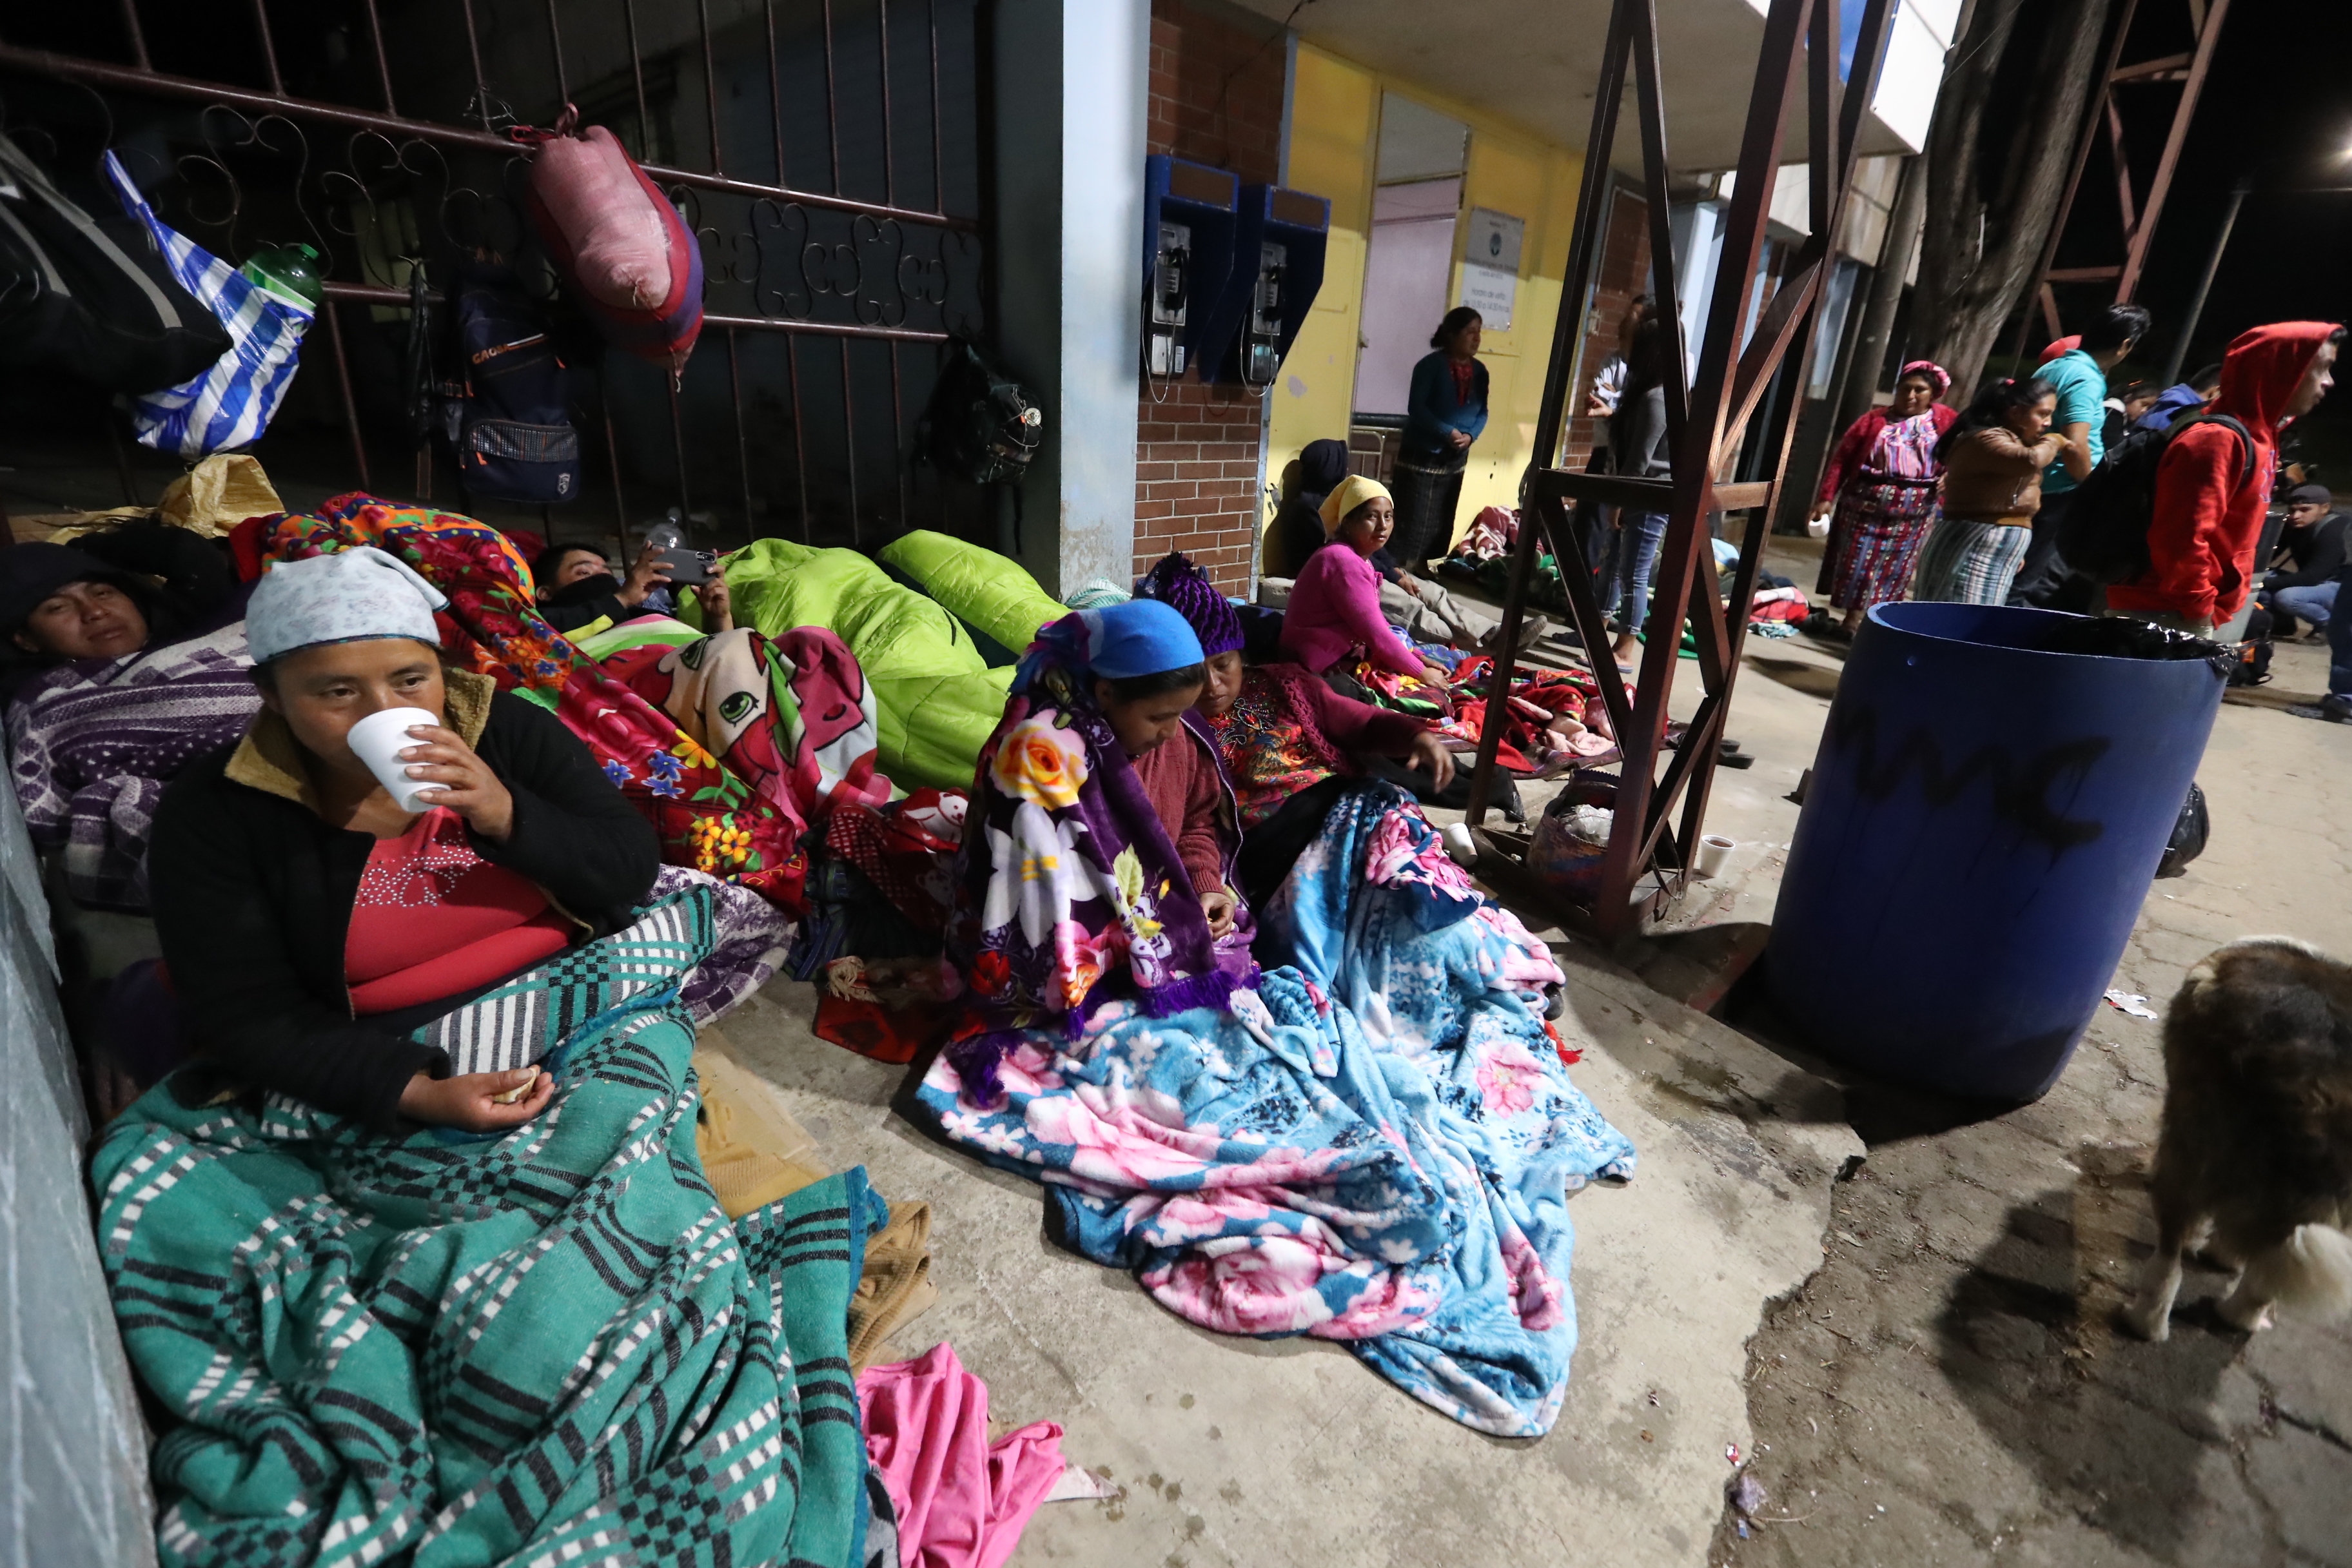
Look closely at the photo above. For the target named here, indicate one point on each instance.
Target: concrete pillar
(1069, 86)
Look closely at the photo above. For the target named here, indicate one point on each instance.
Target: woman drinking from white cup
(314, 920)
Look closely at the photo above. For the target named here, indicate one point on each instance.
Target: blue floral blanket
(1377, 1146)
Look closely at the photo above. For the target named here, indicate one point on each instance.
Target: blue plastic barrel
(1984, 819)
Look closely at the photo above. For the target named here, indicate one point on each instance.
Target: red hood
(2259, 371)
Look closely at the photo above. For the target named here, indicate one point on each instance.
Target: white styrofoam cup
(379, 739)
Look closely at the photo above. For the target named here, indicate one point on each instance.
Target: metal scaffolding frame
(1706, 419)
(2139, 217)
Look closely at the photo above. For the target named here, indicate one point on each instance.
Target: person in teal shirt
(2080, 376)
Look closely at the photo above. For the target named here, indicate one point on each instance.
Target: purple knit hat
(1184, 588)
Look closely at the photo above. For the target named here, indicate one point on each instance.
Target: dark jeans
(2339, 655)
(2042, 576)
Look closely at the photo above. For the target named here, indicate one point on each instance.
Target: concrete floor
(1292, 1453)
(1941, 1389)
(1947, 1389)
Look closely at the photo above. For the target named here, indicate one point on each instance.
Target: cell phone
(689, 568)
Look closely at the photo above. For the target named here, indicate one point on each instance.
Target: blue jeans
(2315, 603)
(1633, 557)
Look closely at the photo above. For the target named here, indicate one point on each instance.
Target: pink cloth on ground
(961, 1502)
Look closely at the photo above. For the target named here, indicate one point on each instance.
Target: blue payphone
(1188, 255)
(1279, 237)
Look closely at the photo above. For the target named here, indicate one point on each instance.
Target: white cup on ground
(379, 739)
(1713, 849)
(1460, 845)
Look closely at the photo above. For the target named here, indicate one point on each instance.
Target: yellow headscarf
(1353, 491)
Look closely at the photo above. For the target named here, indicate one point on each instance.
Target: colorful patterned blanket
(92, 746)
(1383, 1155)
(544, 1346)
(1068, 891)
(731, 746)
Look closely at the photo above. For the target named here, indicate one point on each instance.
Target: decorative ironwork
(379, 193)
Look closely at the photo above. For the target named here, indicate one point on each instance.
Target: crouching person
(310, 927)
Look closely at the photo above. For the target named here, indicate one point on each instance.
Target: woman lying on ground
(1286, 739)
(115, 682)
(1993, 459)
(312, 928)
(109, 595)
(1334, 613)
(1099, 847)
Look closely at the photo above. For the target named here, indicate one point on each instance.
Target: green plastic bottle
(289, 270)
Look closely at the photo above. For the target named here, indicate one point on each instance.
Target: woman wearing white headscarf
(310, 926)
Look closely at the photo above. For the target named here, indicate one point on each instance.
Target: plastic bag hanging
(232, 403)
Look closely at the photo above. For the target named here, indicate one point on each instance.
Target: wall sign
(1490, 265)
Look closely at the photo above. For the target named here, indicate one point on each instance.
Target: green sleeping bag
(981, 588)
(936, 699)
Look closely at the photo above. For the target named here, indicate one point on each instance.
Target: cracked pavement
(1949, 1387)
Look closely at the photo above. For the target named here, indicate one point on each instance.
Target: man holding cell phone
(577, 586)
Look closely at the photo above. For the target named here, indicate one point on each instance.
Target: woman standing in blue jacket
(1443, 414)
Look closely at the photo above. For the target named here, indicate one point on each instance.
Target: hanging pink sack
(619, 246)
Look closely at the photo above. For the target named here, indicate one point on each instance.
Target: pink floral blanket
(1376, 1147)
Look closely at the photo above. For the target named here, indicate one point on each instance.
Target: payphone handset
(1262, 343)
(1169, 297)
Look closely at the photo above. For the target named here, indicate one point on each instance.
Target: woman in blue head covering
(1098, 850)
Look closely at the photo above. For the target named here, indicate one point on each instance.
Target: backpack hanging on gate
(86, 295)
(980, 425)
(505, 414)
(2105, 534)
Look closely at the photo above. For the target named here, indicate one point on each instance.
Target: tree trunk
(1979, 247)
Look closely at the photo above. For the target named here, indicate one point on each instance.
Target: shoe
(2331, 709)
(1531, 628)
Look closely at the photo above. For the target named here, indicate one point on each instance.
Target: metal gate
(825, 152)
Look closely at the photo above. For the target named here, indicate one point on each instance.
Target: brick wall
(1216, 98)
(1624, 272)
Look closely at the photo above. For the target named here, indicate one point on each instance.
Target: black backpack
(2105, 534)
(505, 414)
(2190, 831)
(980, 425)
(90, 297)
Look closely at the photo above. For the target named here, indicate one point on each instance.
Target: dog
(2254, 1163)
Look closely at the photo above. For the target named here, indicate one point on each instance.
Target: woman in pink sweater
(1334, 612)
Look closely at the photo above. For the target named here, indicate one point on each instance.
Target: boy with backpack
(2212, 484)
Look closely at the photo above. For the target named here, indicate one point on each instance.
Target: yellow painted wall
(1334, 143)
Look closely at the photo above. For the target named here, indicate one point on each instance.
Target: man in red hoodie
(2212, 493)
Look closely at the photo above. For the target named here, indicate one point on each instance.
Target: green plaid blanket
(547, 1346)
